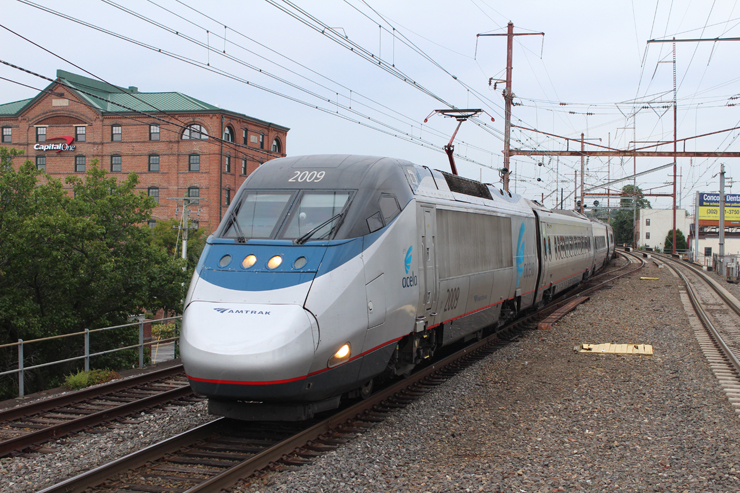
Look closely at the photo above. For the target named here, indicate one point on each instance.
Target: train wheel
(367, 389)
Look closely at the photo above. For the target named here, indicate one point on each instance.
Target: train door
(428, 262)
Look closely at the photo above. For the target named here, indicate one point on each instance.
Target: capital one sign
(64, 146)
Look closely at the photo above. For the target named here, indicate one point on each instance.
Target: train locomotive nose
(247, 351)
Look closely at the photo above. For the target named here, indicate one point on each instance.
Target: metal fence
(87, 355)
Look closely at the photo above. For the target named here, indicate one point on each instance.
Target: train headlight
(249, 261)
(274, 262)
(342, 355)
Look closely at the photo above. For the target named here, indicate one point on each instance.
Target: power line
(394, 132)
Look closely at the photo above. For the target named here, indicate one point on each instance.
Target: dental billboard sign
(64, 146)
(709, 207)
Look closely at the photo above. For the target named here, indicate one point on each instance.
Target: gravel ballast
(535, 416)
(538, 417)
(81, 452)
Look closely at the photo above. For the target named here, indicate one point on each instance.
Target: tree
(623, 223)
(68, 263)
(680, 241)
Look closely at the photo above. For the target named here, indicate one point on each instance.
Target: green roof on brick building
(115, 99)
(14, 107)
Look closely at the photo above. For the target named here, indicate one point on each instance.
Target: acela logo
(243, 312)
(520, 255)
(407, 260)
(409, 280)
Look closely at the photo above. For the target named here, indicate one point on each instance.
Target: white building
(653, 226)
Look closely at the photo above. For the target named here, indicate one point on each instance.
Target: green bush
(82, 379)
(163, 330)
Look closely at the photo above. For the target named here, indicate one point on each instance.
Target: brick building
(164, 137)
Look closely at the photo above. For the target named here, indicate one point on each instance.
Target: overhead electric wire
(352, 92)
(237, 60)
(357, 49)
(403, 134)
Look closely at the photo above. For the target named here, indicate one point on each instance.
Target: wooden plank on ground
(641, 349)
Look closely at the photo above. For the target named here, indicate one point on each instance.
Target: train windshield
(258, 215)
(313, 215)
(316, 209)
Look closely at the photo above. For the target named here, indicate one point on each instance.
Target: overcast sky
(592, 72)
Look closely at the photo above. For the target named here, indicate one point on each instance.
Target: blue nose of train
(240, 350)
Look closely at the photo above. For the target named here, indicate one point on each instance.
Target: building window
(647, 222)
(193, 192)
(80, 133)
(262, 141)
(7, 135)
(116, 133)
(115, 163)
(227, 164)
(228, 134)
(40, 134)
(244, 167)
(227, 197)
(79, 164)
(194, 132)
(153, 192)
(194, 224)
(154, 132)
(647, 236)
(245, 136)
(707, 251)
(152, 223)
(153, 162)
(276, 147)
(41, 162)
(194, 162)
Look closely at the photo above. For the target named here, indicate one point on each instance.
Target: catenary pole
(508, 96)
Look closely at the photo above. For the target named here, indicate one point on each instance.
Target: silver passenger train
(331, 272)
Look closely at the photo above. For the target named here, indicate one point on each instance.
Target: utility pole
(675, 157)
(186, 224)
(185, 221)
(582, 173)
(575, 191)
(722, 271)
(608, 179)
(508, 96)
(696, 228)
(557, 181)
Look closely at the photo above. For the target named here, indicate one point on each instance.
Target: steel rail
(89, 420)
(263, 459)
(702, 314)
(96, 476)
(94, 419)
(85, 394)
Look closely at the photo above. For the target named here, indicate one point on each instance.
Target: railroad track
(33, 424)
(718, 333)
(220, 453)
